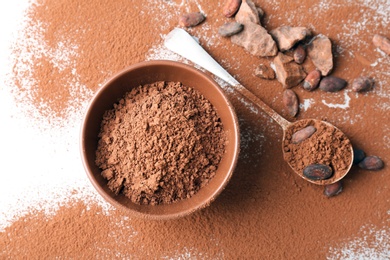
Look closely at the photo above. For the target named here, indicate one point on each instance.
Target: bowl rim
(110, 199)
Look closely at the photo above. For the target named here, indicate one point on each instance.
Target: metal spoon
(180, 42)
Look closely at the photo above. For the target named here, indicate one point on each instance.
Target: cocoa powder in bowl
(142, 74)
(160, 143)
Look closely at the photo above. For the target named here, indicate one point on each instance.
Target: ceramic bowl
(145, 73)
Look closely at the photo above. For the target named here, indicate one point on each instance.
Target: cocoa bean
(371, 163)
(312, 79)
(332, 84)
(265, 72)
(299, 54)
(317, 172)
(333, 189)
(229, 29)
(231, 7)
(382, 43)
(358, 156)
(191, 19)
(303, 134)
(290, 101)
(362, 84)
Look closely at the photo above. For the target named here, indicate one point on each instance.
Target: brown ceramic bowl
(150, 72)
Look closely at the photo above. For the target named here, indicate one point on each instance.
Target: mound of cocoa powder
(327, 145)
(160, 143)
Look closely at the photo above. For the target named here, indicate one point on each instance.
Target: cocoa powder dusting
(160, 144)
(67, 48)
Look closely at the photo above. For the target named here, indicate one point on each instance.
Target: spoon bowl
(328, 145)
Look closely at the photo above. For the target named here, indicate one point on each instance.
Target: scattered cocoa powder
(265, 211)
(160, 144)
(327, 146)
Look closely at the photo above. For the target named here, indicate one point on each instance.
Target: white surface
(40, 161)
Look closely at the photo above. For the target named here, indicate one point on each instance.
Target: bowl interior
(145, 73)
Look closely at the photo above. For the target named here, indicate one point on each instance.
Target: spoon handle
(180, 42)
(269, 111)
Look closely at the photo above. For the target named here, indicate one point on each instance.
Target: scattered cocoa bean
(312, 79)
(229, 29)
(303, 134)
(299, 54)
(290, 101)
(371, 163)
(317, 172)
(265, 72)
(333, 189)
(332, 84)
(231, 7)
(382, 43)
(358, 156)
(362, 84)
(191, 19)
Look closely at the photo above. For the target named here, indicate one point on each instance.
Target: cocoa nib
(320, 52)
(286, 36)
(265, 72)
(248, 13)
(253, 38)
(290, 101)
(332, 84)
(288, 72)
(317, 172)
(191, 19)
(303, 134)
